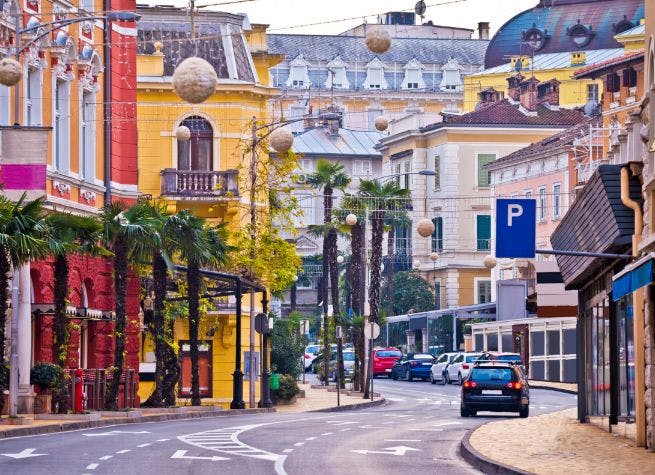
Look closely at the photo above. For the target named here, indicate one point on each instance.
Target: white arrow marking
(340, 423)
(25, 453)
(453, 423)
(115, 432)
(180, 454)
(396, 399)
(399, 450)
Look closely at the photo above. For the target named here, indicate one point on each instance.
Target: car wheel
(524, 412)
(459, 378)
(389, 375)
(409, 375)
(443, 378)
(432, 380)
(394, 377)
(446, 379)
(473, 413)
(463, 411)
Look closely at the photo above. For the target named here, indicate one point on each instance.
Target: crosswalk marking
(227, 441)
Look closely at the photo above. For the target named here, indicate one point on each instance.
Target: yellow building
(204, 173)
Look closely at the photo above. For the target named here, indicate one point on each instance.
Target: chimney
(548, 93)
(483, 30)
(578, 58)
(528, 97)
(513, 90)
(488, 96)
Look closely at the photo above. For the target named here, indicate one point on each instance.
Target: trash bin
(275, 381)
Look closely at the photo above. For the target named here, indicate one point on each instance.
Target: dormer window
(375, 75)
(451, 76)
(535, 38)
(413, 75)
(580, 35)
(298, 73)
(337, 75)
(623, 25)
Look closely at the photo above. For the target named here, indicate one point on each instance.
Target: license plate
(492, 392)
(387, 370)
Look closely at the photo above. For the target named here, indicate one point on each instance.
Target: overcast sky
(340, 15)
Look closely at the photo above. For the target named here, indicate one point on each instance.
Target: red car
(384, 359)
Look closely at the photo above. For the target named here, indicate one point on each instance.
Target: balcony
(199, 185)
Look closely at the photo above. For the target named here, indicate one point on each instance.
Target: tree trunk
(293, 297)
(193, 281)
(377, 231)
(59, 330)
(159, 276)
(326, 322)
(357, 244)
(389, 269)
(120, 285)
(334, 291)
(5, 268)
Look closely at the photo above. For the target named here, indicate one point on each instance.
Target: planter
(286, 402)
(94, 416)
(43, 404)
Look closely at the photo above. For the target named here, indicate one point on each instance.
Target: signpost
(371, 332)
(516, 227)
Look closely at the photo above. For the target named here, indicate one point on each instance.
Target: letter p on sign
(516, 223)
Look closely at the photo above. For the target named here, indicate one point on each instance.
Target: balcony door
(196, 153)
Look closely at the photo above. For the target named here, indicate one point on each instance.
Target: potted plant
(46, 377)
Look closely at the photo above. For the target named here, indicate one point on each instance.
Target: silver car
(438, 370)
(348, 365)
(458, 370)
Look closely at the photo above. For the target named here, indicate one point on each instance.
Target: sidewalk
(553, 444)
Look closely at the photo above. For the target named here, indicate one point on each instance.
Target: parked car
(384, 359)
(413, 365)
(310, 355)
(495, 386)
(438, 370)
(348, 365)
(318, 359)
(459, 368)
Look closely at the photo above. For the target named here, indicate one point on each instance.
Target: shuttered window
(437, 235)
(484, 176)
(483, 232)
(437, 173)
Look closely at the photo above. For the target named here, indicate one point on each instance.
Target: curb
(485, 464)
(349, 407)
(69, 426)
(550, 388)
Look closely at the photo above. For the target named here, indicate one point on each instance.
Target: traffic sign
(371, 330)
(516, 227)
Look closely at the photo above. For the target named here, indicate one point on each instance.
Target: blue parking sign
(516, 227)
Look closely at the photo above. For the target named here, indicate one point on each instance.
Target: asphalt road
(418, 431)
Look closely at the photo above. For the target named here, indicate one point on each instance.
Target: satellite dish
(420, 8)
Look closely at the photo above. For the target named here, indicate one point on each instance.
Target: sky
(336, 16)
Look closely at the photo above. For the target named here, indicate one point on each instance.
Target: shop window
(537, 370)
(553, 342)
(570, 370)
(537, 343)
(553, 370)
(479, 345)
(569, 342)
(508, 342)
(492, 342)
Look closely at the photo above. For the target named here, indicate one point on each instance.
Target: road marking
(143, 445)
(368, 426)
(124, 451)
(106, 457)
(344, 430)
(396, 399)
(115, 432)
(92, 466)
(310, 438)
(327, 433)
(162, 440)
(402, 440)
(299, 444)
(427, 430)
(180, 454)
(399, 450)
(286, 451)
(23, 454)
(452, 423)
(226, 440)
(340, 423)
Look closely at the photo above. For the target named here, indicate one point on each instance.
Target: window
(542, 204)
(362, 168)
(87, 137)
(437, 294)
(437, 235)
(33, 97)
(5, 100)
(451, 76)
(592, 93)
(61, 128)
(337, 75)
(484, 176)
(403, 244)
(437, 173)
(483, 232)
(87, 5)
(375, 75)
(306, 165)
(528, 194)
(408, 169)
(413, 75)
(483, 291)
(557, 200)
(298, 73)
(306, 205)
(372, 115)
(297, 111)
(197, 152)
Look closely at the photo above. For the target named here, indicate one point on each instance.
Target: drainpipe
(638, 305)
(107, 99)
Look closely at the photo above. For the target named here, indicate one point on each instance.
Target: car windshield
(472, 358)
(491, 374)
(312, 350)
(389, 354)
(423, 357)
(348, 356)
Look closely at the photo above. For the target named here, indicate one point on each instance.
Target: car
(348, 365)
(509, 358)
(318, 359)
(413, 365)
(310, 355)
(458, 369)
(384, 359)
(438, 370)
(495, 386)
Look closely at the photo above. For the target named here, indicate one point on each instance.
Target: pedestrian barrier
(94, 387)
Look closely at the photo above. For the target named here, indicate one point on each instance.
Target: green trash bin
(275, 381)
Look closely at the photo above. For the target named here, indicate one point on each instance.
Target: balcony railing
(200, 184)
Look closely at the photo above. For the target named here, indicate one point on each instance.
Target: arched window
(197, 152)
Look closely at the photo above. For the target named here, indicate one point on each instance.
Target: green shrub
(288, 388)
(47, 376)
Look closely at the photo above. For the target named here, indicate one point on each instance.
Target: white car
(438, 370)
(458, 370)
(310, 355)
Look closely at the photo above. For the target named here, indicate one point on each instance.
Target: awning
(633, 277)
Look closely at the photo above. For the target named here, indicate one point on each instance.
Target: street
(417, 431)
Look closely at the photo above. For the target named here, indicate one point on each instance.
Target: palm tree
(393, 220)
(379, 199)
(327, 177)
(22, 233)
(200, 246)
(129, 234)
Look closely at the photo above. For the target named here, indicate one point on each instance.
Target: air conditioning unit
(301, 178)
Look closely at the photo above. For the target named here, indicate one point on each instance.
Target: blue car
(413, 365)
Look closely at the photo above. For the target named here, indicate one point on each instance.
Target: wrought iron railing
(94, 386)
(200, 184)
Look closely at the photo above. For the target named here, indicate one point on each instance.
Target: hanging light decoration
(425, 227)
(381, 123)
(281, 140)
(340, 259)
(351, 219)
(194, 80)
(378, 40)
(11, 71)
(489, 261)
(182, 133)
(434, 256)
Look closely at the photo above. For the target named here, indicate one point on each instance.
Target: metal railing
(95, 386)
(200, 184)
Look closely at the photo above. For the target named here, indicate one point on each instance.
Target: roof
(637, 30)
(555, 18)
(554, 61)
(597, 69)
(352, 49)
(354, 143)
(504, 113)
(549, 144)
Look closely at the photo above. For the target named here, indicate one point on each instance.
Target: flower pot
(43, 404)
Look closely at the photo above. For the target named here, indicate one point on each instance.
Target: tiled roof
(554, 142)
(593, 70)
(555, 18)
(554, 61)
(319, 141)
(504, 113)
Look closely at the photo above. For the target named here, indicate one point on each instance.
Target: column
(411, 340)
(25, 393)
(426, 339)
